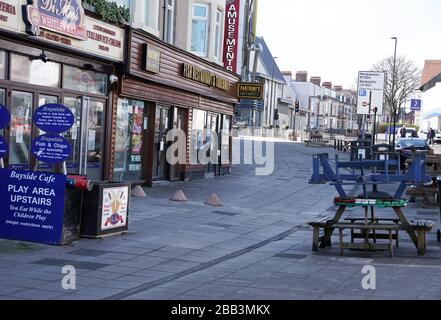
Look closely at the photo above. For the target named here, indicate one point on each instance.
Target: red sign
(231, 45)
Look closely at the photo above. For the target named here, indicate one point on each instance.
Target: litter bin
(105, 210)
(361, 148)
(73, 207)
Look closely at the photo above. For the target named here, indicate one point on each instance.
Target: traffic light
(297, 106)
(276, 114)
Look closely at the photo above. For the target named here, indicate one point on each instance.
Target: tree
(407, 80)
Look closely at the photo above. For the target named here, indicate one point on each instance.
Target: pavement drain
(77, 264)
(89, 252)
(226, 213)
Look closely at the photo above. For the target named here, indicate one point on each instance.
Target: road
(256, 246)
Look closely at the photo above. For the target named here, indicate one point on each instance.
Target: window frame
(205, 19)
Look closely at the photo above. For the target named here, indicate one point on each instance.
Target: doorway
(163, 118)
(213, 127)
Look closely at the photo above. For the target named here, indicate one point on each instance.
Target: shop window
(2, 102)
(3, 65)
(199, 32)
(129, 142)
(34, 71)
(84, 80)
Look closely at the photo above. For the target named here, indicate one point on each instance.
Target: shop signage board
(63, 23)
(65, 17)
(5, 117)
(205, 76)
(54, 118)
(152, 58)
(231, 43)
(114, 207)
(33, 206)
(371, 82)
(3, 147)
(248, 90)
(51, 149)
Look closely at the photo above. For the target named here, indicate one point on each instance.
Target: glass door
(95, 139)
(162, 126)
(178, 124)
(3, 103)
(21, 129)
(86, 137)
(214, 152)
(42, 100)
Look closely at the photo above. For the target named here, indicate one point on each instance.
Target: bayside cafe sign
(205, 77)
(64, 23)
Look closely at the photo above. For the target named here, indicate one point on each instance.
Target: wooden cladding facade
(169, 86)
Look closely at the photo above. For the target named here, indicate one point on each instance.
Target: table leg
(404, 221)
(326, 240)
(341, 242)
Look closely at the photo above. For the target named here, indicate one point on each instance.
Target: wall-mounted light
(43, 57)
(113, 79)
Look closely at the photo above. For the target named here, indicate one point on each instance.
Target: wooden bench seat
(317, 224)
(374, 235)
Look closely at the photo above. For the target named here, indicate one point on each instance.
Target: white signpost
(370, 92)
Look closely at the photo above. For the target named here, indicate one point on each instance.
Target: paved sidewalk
(257, 246)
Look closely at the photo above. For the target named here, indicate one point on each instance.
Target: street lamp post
(393, 90)
(272, 91)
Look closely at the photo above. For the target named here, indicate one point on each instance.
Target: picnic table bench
(369, 226)
(316, 140)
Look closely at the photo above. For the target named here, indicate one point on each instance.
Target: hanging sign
(51, 149)
(231, 41)
(54, 118)
(5, 117)
(3, 147)
(32, 206)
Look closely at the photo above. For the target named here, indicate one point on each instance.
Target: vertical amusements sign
(231, 45)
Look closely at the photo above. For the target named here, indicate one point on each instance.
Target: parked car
(406, 146)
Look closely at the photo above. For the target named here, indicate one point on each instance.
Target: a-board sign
(370, 88)
(51, 149)
(247, 90)
(115, 208)
(3, 147)
(54, 118)
(5, 117)
(32, 206)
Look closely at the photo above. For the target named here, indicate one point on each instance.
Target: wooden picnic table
(316, 139)
(416, 230)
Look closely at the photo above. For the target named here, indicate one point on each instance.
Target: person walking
(430, 136)
(403, 132)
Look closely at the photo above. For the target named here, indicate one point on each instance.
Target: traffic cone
(138, 192)
(179, 196)
(214, 201)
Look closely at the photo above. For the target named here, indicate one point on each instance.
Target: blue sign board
(51, 149)
(32, 206)
(54, 118)
(415, 105)
(5, 117)
(3, 147)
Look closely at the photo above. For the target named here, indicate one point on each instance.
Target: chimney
(302, 76)
(316, 80)
(338, 88)
(327, 85)
(287, 73)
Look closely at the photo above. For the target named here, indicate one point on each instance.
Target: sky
(334, 39)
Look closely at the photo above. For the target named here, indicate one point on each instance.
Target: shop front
(49, 62)
(165, 89)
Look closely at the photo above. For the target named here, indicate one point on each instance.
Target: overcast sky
(335, 39)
